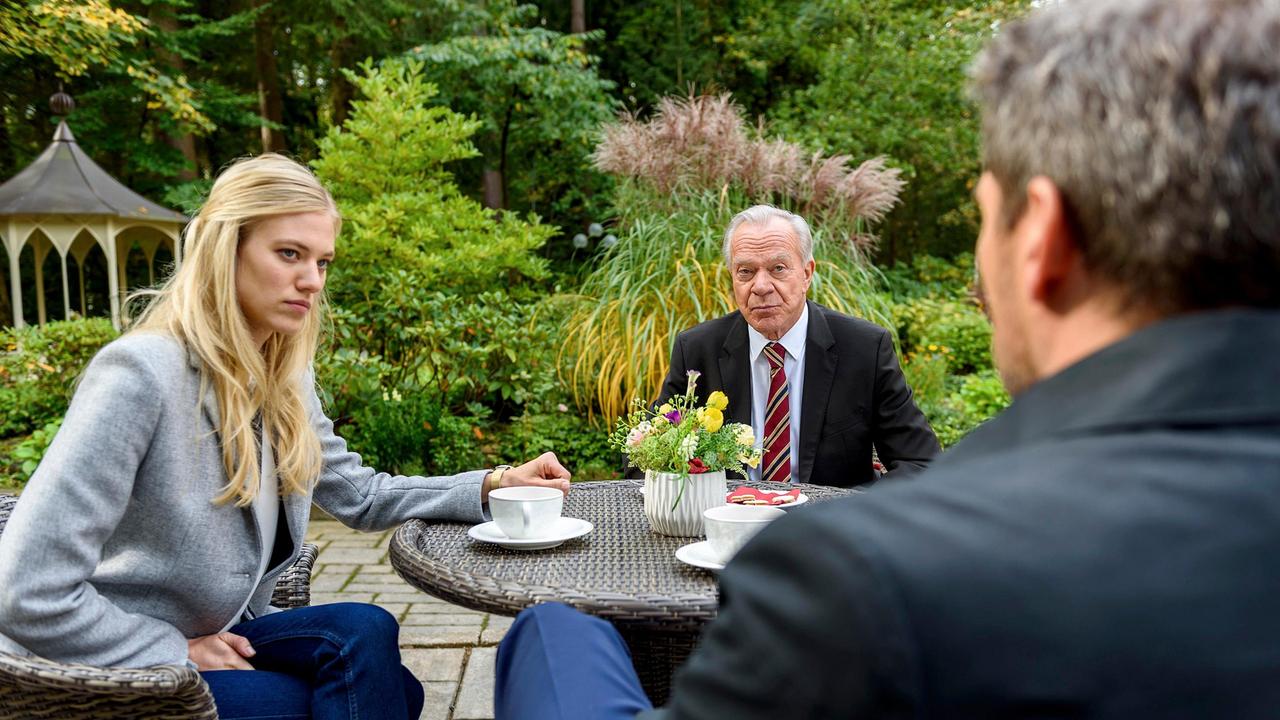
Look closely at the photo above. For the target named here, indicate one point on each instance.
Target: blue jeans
(328, 662)
(556, 663)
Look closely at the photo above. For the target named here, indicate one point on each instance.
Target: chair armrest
(293, 588)
(32, 687)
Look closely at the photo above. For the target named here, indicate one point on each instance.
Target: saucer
(564, 528)
(699, 555)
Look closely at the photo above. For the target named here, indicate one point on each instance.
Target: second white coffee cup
(527, 511)
(729, 527)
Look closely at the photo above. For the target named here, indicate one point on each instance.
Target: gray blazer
(116, 554)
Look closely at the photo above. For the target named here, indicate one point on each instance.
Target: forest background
(534, 193)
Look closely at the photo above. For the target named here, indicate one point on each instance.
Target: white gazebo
(64, 201)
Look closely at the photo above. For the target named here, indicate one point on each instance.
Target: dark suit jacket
(1106, 548)
(854, 394)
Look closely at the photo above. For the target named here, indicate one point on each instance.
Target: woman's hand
(224, 651)
(544, 470)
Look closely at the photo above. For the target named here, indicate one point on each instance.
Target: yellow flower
(659, 422)
(717, 401)
(666, 408)
(753, 461)
(711, 419)
(746, 437)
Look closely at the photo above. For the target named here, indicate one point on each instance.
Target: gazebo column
(113, 273)
(66, 294)
(84, 311)
(40, 251)
(15, 277)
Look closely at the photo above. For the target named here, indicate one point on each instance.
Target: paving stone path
(449, 648)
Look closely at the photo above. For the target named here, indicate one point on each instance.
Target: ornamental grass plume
(702, 143)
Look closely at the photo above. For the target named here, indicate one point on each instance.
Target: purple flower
(673, 416)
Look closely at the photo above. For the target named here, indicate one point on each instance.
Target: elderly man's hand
(544, 470)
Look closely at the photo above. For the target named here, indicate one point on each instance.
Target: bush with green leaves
(581, 446)
(413, 434)
(39, 367)
(539, 100)
(946, 344)
(402, 210)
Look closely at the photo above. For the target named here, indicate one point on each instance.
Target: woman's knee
(366, 623)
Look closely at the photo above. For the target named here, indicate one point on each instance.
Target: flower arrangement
(681, 438)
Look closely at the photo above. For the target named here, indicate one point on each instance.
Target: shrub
(414, 435)
(954, 328)
(39, 367)
(581, 446)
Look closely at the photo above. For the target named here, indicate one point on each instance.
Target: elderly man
(1106, 548)
(818, 387)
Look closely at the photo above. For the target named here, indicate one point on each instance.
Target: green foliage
(539, 101)
(413, 434)
(385, 167)
(957, 329)
(76, 37)
(31, 450)
(39, 367)
(946, 343)
(581, 446)
(892, 81)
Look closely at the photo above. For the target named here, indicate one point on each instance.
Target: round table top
(621, 570)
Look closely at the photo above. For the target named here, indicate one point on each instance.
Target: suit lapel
(735, 372)
(819, 371)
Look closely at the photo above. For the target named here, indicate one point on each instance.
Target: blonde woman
(180, 484)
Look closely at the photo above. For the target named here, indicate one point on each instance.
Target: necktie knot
(774, 352)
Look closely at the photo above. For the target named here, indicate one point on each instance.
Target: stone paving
(449, 648)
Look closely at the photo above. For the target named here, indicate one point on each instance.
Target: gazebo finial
(61, 103)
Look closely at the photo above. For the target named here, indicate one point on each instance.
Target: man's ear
(1049, 251)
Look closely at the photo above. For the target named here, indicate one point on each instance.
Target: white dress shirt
(793, 365)
(266, 512)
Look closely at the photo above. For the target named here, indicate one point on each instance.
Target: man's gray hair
(761, 215)
(1159, 121)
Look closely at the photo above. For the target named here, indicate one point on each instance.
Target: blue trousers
(556, 663)
(328, 662)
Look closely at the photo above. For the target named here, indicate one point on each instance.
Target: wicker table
(622, 571)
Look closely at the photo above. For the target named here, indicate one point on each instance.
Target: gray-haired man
(819, 387)
(1105, 548)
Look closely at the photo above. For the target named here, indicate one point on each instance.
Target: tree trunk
(342, 91)
(270, 103)
(493, 195)
(162, 17)
(578, 16)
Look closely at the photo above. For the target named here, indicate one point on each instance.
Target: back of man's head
(1159, 121)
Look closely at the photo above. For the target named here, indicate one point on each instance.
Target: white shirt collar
(793, 340)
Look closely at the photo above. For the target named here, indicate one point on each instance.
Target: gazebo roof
(65, 181)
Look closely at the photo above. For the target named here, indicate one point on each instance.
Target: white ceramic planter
(701, 492)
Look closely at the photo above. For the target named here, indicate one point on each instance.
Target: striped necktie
(777, 420)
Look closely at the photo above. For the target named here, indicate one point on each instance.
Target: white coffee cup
(527, 511)
(729, 527)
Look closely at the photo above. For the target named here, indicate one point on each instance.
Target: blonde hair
(198, 306)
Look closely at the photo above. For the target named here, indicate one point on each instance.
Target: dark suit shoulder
(847, 329)
(714, 330)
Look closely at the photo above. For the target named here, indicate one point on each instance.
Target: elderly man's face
(998, 280)
(770, 278)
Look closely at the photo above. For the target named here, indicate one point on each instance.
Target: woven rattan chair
(32, 687)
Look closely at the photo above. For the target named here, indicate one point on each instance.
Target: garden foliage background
(534, 194)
